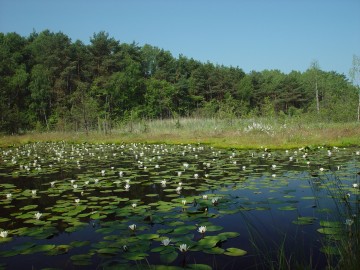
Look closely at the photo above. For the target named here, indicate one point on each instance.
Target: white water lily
(33, 192)
(75, 186)
(183, 202)
(102, 172)
(166, 241)
(38, 215)
(134, 205)
(186, 165)
(96, 181)
(52, 183)
(273, 166)
(127, 186)
(86, 182)
(72, 181)
(349, 222)
(178, 189)
(121, 173)
(355, 185)
(205, 197)
(196, 176)
(215, 200)
(202, 229)
(163, 183)
(179, 174)
(132, 227)
(4, 234)
(321, 169)
(77, 200)
(183, 248)
(8, 196)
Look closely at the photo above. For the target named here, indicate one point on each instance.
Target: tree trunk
(359, 106)
(317, 98)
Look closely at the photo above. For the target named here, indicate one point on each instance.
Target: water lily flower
(349, 222)
(273, 175)
(202, 229)
(72, 181)
(178, 189)
(163, 183)
(132, 227)
(273, 166)
(205, 197)
(166, 241)
(127, 186)
(77, 201)
(196, 176)
(321, 169)
(75, 186)
(8, 196)
(134, 205)
(355, 185)
(33, 192)
(215, 200)
(127, 181)
(243, 168)
(157, 166)
(121, 173)
(96, 181)
(179, 174)
(125, 248)
(183, 248)
(183, 202)
(102, 172)
(52, 183)
(38, 215)
(186, 165)
(3, 234)
(180, 183)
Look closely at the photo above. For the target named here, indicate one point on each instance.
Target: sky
(250, 34)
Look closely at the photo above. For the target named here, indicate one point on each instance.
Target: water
(262, 206)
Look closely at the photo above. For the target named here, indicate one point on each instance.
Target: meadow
(225, 133)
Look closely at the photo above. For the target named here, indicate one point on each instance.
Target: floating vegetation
(168, 206)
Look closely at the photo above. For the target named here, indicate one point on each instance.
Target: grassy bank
(234, 133)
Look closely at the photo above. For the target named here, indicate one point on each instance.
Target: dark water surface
(259, 202)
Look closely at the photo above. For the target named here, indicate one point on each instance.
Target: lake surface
(73, 206)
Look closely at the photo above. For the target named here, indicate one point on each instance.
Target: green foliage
(48, 82)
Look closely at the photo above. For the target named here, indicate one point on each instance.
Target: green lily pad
(168, 258)
(235, 252)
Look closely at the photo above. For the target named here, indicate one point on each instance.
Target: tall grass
(233, 132)
(345, 247)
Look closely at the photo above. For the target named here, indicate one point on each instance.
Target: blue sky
(251, 34)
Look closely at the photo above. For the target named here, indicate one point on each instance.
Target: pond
(107, 206)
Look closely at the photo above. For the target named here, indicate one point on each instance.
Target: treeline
(48, 82)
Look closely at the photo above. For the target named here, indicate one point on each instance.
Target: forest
(49, 83)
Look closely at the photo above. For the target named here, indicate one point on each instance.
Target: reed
(228, 133)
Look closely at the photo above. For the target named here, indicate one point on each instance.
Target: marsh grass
(347, 209)
(237, 133)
